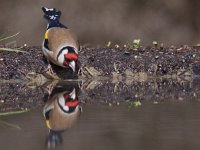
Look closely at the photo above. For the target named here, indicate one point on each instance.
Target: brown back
(61, 37)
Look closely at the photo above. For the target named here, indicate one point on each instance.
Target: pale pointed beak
(72, 64)
(73, 94)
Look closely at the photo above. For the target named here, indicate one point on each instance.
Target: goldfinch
(60, 45)
(62, 110)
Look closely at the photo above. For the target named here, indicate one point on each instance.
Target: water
(106, 124)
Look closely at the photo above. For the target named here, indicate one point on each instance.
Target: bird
(62, 107)
(60, 45)
(61, 111)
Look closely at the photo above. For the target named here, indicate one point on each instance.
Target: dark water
(162, 126)
(168, 124)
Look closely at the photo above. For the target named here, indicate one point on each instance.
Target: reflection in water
(61, 111)
(171, 124)
(20, 96)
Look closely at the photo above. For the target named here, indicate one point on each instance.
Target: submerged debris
(22, 96)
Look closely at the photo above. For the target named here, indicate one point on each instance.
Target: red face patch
(71, 56)
(73, 103)
(65, 63)
(70, 103)
(66, 96)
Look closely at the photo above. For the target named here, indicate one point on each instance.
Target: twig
(10, 125)
(8, 37)
(12, 50)
(13, 112)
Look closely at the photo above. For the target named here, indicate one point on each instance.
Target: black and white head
(70, 57)
(68, 102)
(51, 14)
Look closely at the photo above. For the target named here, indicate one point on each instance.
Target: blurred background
(96, 22)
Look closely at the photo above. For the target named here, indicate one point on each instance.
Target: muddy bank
(109, 62)
(108, 92)
(121, 75)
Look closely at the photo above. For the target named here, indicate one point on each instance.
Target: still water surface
(161, 126)
(173, 125)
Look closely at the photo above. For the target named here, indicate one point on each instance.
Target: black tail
(51, 13)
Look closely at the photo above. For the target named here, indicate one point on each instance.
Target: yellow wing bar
(46, 35)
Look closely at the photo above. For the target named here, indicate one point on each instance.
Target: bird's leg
(46, 61)
(49, 73)
(80, 72)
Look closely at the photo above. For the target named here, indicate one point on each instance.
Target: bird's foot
(49, 73)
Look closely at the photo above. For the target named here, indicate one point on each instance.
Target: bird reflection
(61, 111)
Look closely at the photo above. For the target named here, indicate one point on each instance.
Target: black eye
(69, 99)
(67, 60)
